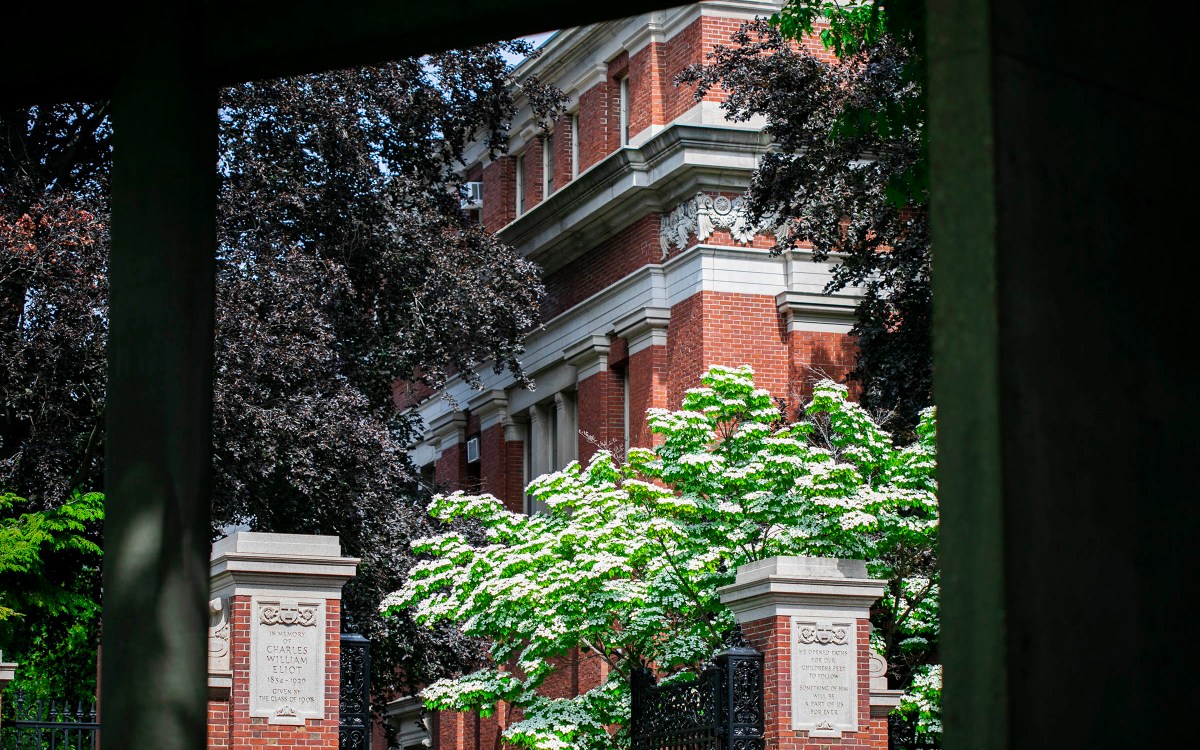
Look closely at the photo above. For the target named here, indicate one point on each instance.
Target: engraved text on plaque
(824, 676)
(287, 660)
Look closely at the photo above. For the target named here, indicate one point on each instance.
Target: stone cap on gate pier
(251, 562)
(785, 586)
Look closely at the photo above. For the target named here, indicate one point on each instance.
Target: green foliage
(626, 561)
(50, 594)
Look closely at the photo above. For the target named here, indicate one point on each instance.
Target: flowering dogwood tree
(626, 560)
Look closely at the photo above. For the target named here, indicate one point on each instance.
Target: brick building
(631, 206)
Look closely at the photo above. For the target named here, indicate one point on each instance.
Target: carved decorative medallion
(304, 616)
(814, 634)
(218, 637)
(702, 215)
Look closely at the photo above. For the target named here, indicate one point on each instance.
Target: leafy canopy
(50, 593)
(626, 561)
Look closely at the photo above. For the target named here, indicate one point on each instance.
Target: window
(574, 146)
(553, 440)
(625, 111)
(547, 165)
(625, 405)
(520, 184)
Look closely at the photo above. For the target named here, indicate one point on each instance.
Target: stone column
(274, 640)
(809, 617)
(8, 672)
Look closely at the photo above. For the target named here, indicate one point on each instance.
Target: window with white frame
(547, 165)
(520, 178)
(553, 440)
(624, 108)
(574, 146)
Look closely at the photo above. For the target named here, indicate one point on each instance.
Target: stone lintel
(589, 355)
(491, 407)
(787, 586)
(806, 311)
(644, 328)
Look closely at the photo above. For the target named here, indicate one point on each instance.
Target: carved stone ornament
(218, 637)
(702, 215)
(305, 616)
(811, 634)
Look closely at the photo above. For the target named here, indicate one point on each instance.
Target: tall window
(520, 184)
(547, 165)
(625, 111)
(553, 439)
(574, 146)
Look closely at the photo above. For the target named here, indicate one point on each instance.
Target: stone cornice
(782, 586)
(249, 562)
(632, 183)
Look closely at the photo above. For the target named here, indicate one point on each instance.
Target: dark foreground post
(159, 392)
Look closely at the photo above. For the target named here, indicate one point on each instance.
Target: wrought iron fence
(48, 724)
(722, 709)
(354, 722)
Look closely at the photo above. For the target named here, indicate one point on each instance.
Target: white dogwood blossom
(625, 563)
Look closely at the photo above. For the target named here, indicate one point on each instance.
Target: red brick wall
(725, 328)
(647, 390)
(646, 83)
(450, 469)
(617, 257)
(499, 191)
(772, 636)
(814, 355)
(533, 172)
(229, 722)
(601, 402)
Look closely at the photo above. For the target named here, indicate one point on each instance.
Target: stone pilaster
(810, 618)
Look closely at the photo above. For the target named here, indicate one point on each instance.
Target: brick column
(645, 334)
(809, 617)
(599, 398)
(818, 338)
(449, 431)
(274, 640)
(496, 432)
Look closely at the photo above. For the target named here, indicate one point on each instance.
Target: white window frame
(520, 179)
(624, 110)
(574, 145)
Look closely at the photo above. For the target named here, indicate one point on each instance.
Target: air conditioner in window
(473, 449)
(474, 197)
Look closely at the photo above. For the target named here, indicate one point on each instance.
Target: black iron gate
(38, 724)
(354, 723)
(722, 709)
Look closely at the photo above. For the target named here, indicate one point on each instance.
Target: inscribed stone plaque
(824, 676)
(287, 660)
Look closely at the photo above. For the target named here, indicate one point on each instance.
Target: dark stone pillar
(159, 420)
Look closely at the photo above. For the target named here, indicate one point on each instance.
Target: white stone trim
(788, 586)
(491, 407)
(809, 311)
(644, 328)
(719, 268)
(250, 563)
(589, 355)
(448, 429)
